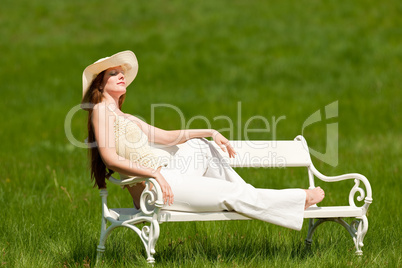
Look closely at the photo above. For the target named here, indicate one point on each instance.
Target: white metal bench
(249, 154)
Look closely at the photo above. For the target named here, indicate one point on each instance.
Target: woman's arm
(173, 137)
(103, 123)
(220, 140)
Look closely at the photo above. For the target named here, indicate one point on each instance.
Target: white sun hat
(126, 59)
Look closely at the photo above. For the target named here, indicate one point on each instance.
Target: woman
(192, 180)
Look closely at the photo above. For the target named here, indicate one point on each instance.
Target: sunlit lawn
(213, 59)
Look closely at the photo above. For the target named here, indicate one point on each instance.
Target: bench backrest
(268, 154)
(292, 153)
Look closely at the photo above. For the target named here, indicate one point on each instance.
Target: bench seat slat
(333, 212)
(268, 154)
(177, 216)
(180, 216)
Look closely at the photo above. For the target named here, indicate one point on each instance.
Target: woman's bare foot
(314, 196)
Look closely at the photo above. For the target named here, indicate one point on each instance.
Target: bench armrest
(356, 189)
(151, 199)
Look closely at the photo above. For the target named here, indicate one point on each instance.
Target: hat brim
(127, 59)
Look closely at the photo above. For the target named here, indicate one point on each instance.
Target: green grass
(276, 58)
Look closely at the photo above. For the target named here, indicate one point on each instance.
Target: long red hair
(94, 95)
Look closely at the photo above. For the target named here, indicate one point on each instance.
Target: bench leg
(104, 230)
(311, 229)
(101, 247)
(102, 241)
(149, 236)
(360, 231)
(357, 230)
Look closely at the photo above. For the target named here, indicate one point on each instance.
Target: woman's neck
(108, 99)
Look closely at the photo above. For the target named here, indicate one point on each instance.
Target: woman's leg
(205, 182)
(198, 157)
(314, 196)
(204, 194)
(135, 192)
(191, 158)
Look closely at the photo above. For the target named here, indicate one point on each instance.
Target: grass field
(274, 59)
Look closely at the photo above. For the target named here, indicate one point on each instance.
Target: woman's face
(114, 81)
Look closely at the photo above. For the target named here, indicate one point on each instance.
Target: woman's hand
(223, 143)
(166, 190)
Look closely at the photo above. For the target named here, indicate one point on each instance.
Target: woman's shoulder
(102, 111)
(103, 107)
